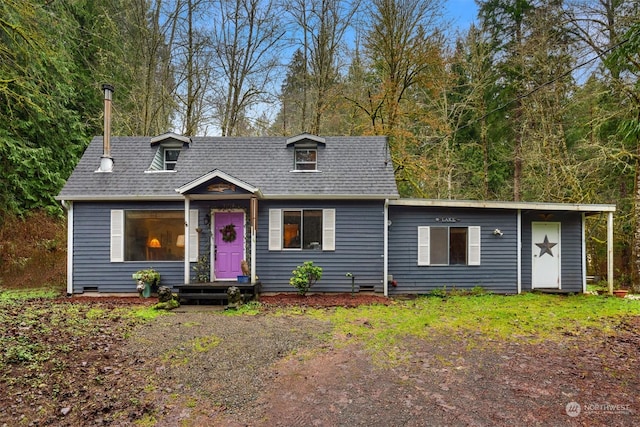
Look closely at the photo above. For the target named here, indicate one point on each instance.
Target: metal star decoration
(545, 246)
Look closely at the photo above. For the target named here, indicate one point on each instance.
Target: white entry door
(546, 255)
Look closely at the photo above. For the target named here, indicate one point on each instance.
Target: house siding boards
(572, 258)
(92, 266)
(497, 271)
(358, 248)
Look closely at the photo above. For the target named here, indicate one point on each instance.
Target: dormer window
(169, 147)
(170, 158)
(305, 152)
(306, 159)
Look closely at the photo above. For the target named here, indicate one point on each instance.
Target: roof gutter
(490, 204)
(385, 197)
(180, 197)
(127, 198)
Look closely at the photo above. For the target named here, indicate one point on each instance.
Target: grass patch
(204, 344)
(181, 355)
(530, 317)
(148, 313)
(251, 308)
(14, 295)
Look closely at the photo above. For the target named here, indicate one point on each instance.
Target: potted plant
(620, 293)
(146, 279)
(622, 285)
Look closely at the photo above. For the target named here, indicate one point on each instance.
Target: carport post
(610, 251)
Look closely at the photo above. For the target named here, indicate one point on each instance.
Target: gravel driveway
(209, 363)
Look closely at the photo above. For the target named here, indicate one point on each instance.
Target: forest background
(537, 100)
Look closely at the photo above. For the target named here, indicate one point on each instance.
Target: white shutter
(474, 246)
(424, 256)
(275, 229)
(117, 235)
(193, 235)
(328, 229)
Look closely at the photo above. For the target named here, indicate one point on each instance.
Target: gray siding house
(195, 208)
(175, 204)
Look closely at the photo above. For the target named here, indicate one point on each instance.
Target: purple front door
(228, 229)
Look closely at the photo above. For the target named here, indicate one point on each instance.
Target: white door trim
(212, 241)
(546, 255)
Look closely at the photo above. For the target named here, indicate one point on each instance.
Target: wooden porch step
(214, 292)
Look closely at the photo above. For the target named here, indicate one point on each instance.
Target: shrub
(304, 276)
(201, 269)
(150, 276)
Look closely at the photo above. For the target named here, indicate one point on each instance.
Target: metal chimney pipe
(106, 161)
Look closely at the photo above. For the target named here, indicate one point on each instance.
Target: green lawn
(527, 317)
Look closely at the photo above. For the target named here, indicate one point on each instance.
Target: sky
(461, 12)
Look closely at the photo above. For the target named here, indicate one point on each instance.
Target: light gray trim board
(70, 231)
(179, 197)
(490, 204)
(123, 198)
(327, 197)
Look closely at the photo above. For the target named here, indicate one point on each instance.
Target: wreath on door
(228, 233)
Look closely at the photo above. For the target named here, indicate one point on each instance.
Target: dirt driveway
(201, 368)
(292, 371)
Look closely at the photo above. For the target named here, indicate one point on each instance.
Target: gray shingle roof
(349, 167)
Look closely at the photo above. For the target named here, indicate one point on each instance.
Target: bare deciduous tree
(246, 38)
(321, 26)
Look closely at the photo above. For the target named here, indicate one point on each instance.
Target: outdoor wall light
(497, 232)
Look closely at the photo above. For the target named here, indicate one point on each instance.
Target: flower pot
(146, 292)
(620, 293)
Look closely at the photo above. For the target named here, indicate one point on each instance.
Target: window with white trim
(170, 158)
(306, 159)
(302, 229)
(165, 158)
(145, 235)
(449, 245)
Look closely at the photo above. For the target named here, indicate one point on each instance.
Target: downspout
(187, 240)
(519, 252)
(253, 213)
(584, 255)
(385, 255)
(69, 208)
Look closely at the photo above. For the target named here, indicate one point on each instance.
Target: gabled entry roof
(218, 183)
